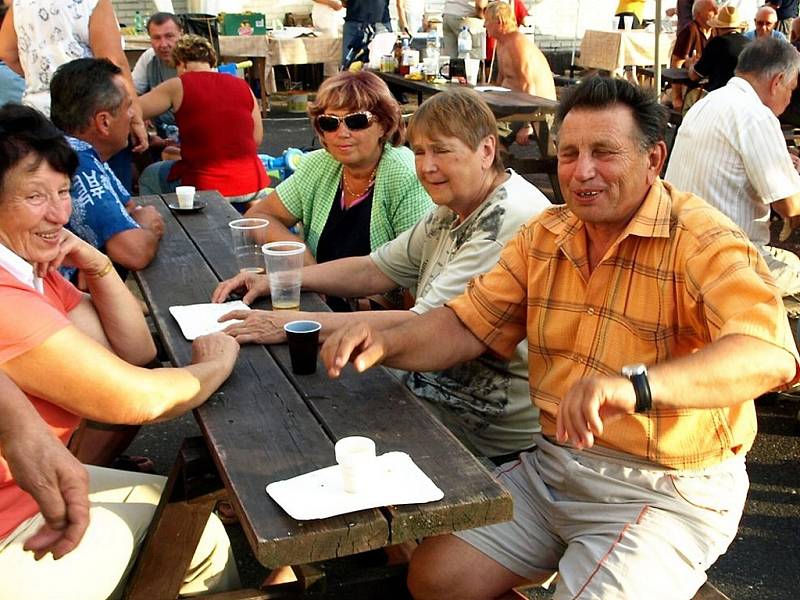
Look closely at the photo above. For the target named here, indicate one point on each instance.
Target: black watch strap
(637, 374)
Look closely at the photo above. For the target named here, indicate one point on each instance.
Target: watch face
(633, 370)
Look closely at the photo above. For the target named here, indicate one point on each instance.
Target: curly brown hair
(194, 48)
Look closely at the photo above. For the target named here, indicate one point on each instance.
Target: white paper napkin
(320, 494)
(491, 88)
(201, 319)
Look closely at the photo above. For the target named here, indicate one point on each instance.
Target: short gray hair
(764, 58)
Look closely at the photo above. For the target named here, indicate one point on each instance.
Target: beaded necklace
(370, 183)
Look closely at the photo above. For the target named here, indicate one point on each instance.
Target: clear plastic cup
(248, 236)
(285, 271)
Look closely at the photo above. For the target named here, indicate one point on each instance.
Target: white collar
(20, 269)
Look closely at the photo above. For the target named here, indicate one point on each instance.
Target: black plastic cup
(303, 338)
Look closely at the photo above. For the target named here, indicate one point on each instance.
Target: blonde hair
(194, 48)
(503, 14)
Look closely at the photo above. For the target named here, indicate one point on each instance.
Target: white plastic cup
(248, 236)
(358, 463)
(628, 21)
(185, 196)
(472, 67)
(285, 271)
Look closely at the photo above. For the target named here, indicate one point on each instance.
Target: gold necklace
(364, 191)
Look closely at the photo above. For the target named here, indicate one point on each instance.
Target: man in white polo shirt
(730, 151)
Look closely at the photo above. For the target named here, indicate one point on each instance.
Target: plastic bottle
(138, 22)
(464, 42)
(173, 135)
(432, 46)
(405, 64)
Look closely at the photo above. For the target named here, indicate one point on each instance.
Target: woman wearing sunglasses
(360, 190)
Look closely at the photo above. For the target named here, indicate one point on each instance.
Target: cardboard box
(248, 23)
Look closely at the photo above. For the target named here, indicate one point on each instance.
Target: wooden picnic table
(668, 76)
(505, 106)
(266, 424)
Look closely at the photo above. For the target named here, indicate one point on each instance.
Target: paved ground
(764, 561)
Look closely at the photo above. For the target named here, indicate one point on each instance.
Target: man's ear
(102, 121)
(775, 82)
(656, 157)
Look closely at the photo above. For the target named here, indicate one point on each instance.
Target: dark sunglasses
(354, 121)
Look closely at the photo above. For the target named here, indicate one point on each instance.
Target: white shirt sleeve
(139, 72)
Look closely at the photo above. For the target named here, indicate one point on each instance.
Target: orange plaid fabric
(680, 276)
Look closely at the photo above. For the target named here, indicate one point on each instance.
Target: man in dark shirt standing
(718, 61)
(691, 42)
(360, 15)
(787, 11)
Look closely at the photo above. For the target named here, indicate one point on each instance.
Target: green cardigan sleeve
(399, 200)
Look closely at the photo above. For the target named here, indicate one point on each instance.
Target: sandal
(136, 464)
(225, 513)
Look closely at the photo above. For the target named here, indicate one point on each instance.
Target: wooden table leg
(260, 65)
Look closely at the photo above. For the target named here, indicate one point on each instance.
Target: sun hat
(727, 17)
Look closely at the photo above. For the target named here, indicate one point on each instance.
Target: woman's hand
(215, 347)
(254, 286)
(74, 252)
(258, 326)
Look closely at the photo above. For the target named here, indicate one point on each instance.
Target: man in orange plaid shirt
(652, 323)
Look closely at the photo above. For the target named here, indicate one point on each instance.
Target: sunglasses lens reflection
(354, 122)
(357, 121)
(326, 123)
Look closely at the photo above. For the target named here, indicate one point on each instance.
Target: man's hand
(363, 345)
(43, 467)
(149, 218)
(589, 405)
(139, 136)
(523, 136)
(258, 326)
(254, 286)
(335, 4)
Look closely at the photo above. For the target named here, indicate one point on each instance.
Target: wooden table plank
(258, 427)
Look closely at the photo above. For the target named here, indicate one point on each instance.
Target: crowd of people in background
(605, 354)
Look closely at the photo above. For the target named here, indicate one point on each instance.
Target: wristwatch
(637, 374)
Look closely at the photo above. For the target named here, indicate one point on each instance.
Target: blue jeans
(153, 179)
(353, 31)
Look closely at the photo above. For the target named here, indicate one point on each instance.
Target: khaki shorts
(613, 530)
(122, 506)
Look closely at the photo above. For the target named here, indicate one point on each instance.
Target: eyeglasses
(354, 121)
(765, 23)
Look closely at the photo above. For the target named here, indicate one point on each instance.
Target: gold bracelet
(102, 272)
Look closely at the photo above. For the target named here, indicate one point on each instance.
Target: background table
(266, 424)
(507, 106)
(614, 50)
(266, 52)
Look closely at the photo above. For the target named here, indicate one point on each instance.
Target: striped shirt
(731, 152)
(680, 276)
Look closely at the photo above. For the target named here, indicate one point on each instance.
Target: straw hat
(728, 17)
